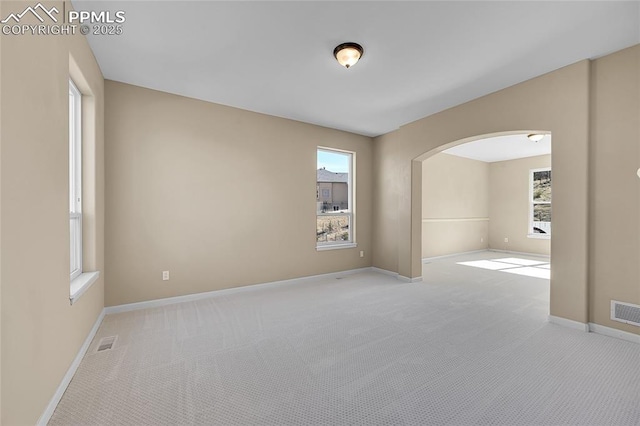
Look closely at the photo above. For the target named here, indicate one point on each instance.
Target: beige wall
(455, 205)
(556, 102)
(509, 205)
(218, 196)
(386, 195)
(473, 205)
(614, 270)
(41, 332)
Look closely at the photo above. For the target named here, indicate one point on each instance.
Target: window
(75, 179)
(335, 224)
(540, 203)
(80, 279)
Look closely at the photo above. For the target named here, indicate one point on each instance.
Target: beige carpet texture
(470, 345)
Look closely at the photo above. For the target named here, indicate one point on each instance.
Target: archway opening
(486, 204)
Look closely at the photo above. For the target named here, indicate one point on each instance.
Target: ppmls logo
(94, 22)
(34, 11)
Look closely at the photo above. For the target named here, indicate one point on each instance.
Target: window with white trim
(75, 179)
(540, 203)
(335, 224)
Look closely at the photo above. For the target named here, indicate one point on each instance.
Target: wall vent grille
(625, 312)
(106, 343)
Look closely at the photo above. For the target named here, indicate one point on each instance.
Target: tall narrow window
(75, 179)
(335, 224)
(540, 203)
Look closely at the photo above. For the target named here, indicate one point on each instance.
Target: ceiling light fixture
(536, 137)
(347, 54)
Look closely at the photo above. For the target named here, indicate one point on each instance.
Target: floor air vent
(625, 312)
(106, 343)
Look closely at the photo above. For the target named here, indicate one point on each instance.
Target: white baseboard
(48, 412)
(564, 322)
(595, 328)
(612, 332)
(384, 272)
(546, 256)
(409, 280)
(396, 275)
(199, 296)
(444, 256)
(294, 281)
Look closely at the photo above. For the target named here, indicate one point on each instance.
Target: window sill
(336, 246)
(539, 236)
(81, 284)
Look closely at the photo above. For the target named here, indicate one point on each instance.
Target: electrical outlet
(481, 239)
(506, 240)
(361, 253)
(165, 275)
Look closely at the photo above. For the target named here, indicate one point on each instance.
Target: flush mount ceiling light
(347, 54)
(536, 137)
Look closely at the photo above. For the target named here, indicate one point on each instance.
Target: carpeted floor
(466, 346)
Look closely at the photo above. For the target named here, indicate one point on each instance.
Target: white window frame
(530, 233)
(351, 212)
(75, 180)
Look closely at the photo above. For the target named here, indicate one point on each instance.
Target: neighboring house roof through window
(325, 175)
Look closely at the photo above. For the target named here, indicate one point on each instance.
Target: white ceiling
(420, 57)
(502, 148)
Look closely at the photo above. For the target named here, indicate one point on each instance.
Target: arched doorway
(486, 216)
(556, 102)
(568, 287)
(507, 177)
